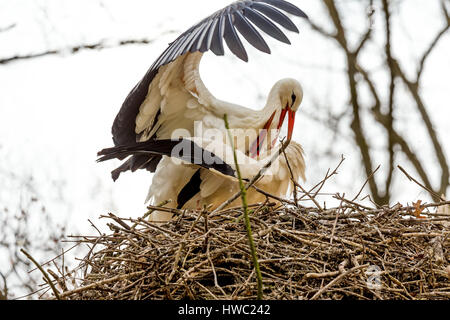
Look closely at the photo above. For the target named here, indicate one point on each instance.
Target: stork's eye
(294, 97)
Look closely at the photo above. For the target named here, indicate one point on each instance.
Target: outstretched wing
(172, 95)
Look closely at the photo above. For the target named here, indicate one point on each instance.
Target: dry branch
(384, 108)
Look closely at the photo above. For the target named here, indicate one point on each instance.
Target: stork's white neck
(257, 119)
(286, 93)
(273, 104)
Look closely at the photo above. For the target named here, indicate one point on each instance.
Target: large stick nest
(348, 252)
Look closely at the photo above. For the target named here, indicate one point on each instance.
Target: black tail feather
(146, 155)
(135, 163)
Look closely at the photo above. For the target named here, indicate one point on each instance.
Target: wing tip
(303, 15)
(287, 6)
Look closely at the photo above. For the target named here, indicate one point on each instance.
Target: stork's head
(284, 99)
(290, 93)
(287, 95)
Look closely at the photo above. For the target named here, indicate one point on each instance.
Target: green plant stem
(246, 215)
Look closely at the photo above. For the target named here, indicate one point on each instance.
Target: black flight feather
(250, 33)
(266, 25)
(276, 16)
(183, 149)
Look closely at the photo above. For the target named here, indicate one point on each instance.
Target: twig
(339, 278)
(367, 181)
(7, 28)
(119, 221)
(327, 177)
(102, 282)
(315, 275)
(312, 198)
(421, 185)
(254, 180)
(292, 177)
(150, 211)
(180, 249)
(268, 195)
(75, 49)
(47, 278)
(246, 216)
(4, 291)
(60, 255)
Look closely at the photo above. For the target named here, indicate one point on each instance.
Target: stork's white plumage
(172, 100)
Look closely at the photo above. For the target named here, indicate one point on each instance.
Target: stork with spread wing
(172, 95)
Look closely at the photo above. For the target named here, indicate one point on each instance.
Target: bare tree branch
(7, 28)
(442, 159)
(366, 37)
(396, 137)
(356, 126)
(433, 44)
(392, 89)
(75, 49)
(383, 111)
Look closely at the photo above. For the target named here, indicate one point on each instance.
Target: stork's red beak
(282, 117)
(291, 122)
(257, 145)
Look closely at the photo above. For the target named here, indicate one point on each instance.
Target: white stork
(172, 95)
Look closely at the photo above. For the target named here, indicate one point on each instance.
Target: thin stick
(365, 183)
(47, 278)
(52, 260)
(106, 281)
(421, 185)
(312, 198)
(151, 210)
(180, 249)
(292, 178)
(336, 280)
(327, 177)
(254, 180)
(268, 195)
(246, 216)
(4, 294)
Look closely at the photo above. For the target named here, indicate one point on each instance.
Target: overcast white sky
(56, 112)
